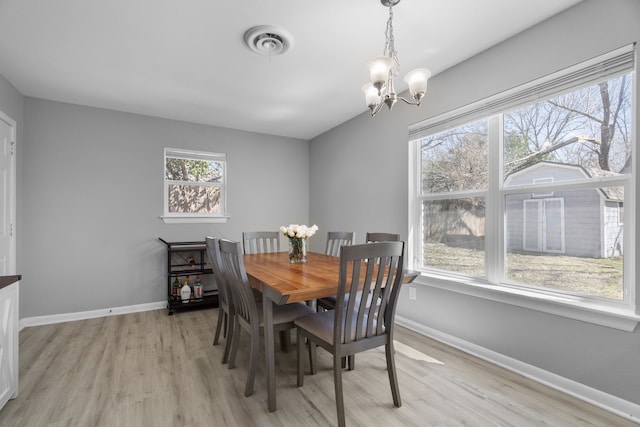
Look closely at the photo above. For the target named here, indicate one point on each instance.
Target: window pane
(570, 241)
(455, 160)
(186, 170)
(194, 199)
(588, 129)
(453, 235)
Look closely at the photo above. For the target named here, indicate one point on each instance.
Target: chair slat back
(375, 269)
(232, 264)
(337, 239)
(224, 299)
(256, 242)
(382, 237)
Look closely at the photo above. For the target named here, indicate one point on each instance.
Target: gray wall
(11, 101)
(359, 181)
(93, 187)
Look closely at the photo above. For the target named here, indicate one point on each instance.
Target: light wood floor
(150, 369)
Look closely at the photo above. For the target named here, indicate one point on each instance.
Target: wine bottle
(197, 289)
(185, 292)
(175, 288)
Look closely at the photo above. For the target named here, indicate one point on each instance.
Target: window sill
(194, 219)
(611, 316)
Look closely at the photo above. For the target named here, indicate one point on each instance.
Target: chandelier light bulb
(417, 81)
(379, 68)
(371, 95)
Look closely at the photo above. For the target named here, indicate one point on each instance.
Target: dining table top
(284, 283)
(287, 283)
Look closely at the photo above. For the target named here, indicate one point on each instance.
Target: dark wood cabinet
(189, 260)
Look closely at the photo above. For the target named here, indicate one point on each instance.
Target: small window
(620, 213)
(194, 186)
(542, 181)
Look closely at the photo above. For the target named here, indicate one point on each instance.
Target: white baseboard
(608, 402)
(81, 315)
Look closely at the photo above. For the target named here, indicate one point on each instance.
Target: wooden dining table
(284, 283)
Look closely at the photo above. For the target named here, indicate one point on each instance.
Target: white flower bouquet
(298, 235)
(299, 231)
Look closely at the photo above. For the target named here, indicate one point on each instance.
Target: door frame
(11, 267)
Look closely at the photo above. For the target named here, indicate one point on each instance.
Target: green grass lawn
(600, 277)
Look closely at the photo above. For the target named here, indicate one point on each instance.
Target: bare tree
(588, 127)
(456, 160)
(187, 194)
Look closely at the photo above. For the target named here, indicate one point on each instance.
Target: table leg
(269, 351)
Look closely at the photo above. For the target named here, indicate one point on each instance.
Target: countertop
(8, 280)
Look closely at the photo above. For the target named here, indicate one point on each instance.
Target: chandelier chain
(389, 43)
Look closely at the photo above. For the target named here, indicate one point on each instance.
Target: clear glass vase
(297, 250)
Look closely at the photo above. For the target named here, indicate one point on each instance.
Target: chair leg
(226, 324)
(337, 379)
(285, 341)
(253, 363)
(393, 377)
(234, 343)
(216, 336)
(348, 362)
(300, 347)
(227, 344)
(312, 357)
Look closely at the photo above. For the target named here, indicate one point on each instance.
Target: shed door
(543, 222)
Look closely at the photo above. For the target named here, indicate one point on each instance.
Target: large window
(526, 193)
(194, 185)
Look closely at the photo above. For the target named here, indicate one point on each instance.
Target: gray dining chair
(260, 242)
(247, 313)
(337, 239)
(226, 311)
(354, 325)
(225, 306)
(329, 303)
(255, 242)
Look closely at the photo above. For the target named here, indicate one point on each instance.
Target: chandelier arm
(377, 108)
(408, 102)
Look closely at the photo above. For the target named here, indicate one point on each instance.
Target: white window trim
(618, 315)
(194, 219)
(186, 218)
(612, 316)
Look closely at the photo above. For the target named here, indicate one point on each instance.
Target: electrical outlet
(412, 293)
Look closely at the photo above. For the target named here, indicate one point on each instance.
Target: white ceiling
(187, 60)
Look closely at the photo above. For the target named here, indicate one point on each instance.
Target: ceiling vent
(268, 40)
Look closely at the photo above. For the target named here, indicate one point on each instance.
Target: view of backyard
(600, 277)
(555, 186)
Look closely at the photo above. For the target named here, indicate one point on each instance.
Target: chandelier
(382, 69)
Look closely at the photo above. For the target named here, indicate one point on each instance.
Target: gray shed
(585, 223)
